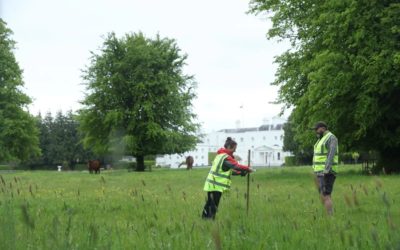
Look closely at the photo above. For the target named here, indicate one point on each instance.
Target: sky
(228, 52)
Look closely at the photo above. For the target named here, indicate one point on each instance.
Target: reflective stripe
(217, 183)
(220, 175)
(323, 163)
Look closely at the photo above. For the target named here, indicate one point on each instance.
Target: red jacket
(230, 162)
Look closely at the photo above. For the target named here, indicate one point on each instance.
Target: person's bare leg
(328, 204)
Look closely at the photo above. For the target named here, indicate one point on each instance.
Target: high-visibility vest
(218, 179)
(321, 154)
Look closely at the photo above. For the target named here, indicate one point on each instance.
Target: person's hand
(251, 170)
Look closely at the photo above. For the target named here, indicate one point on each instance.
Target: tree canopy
(18, 132)
(343, 67)
(138, 99)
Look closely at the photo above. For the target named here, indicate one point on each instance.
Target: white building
(265, 143)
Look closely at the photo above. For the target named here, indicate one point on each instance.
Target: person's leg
(328, 204)
(211, 206)
(319, 181)
(328, 181)
(216, 198)
(207, 208)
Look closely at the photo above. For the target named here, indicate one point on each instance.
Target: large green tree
(18, 132)
(138, 99)
(343, 67)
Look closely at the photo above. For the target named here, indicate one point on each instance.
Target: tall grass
(161, 210)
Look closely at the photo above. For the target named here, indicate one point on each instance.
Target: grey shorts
(326, 183)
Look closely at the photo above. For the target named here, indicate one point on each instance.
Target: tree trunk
(140, 163)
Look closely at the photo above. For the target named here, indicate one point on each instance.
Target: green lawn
(161, 210)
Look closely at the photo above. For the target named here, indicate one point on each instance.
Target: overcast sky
(227, 51)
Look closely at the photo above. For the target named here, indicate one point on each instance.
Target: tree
(138, 99)
(60, 141)
(18, 132)
(303, 155)
(344, 68)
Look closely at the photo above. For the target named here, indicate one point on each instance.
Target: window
(276, 137)
(252, 138)
(281, 137)
(202, 157)
(279, 156)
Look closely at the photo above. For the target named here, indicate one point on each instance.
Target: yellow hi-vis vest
(321, 154)
(217, 179)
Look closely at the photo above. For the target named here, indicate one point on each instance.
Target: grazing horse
(94, 165)
(189, 162)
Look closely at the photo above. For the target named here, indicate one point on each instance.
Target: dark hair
(229, 143)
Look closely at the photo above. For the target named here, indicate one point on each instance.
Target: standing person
(325, 162)
(219, 177)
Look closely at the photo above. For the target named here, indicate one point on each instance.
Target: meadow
(161, 210)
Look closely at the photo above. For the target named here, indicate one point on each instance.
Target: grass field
(161, 210)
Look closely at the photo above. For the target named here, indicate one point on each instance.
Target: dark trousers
(210, 209)
(326, 184)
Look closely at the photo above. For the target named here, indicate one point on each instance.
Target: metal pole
(248, 183)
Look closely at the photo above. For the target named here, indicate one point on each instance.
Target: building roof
(261, 128)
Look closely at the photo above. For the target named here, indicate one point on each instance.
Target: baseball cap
(320, 124)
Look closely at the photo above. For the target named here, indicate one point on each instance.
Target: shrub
(290, 161)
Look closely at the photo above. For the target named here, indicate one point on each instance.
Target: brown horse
(94, 165)
(189, 162)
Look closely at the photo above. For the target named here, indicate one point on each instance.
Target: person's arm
(332, 145)
(231, 163)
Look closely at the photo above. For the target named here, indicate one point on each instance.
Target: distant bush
(6, 167)
(290, 161)
(124, 165)
(211, 157)
(80, 166)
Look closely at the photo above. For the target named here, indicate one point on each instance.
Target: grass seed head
(217, 238)
(26, 218)
(365, 190)
(385, 200)
(348, 200)
(355, 200)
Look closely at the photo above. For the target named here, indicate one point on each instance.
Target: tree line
(60, 142)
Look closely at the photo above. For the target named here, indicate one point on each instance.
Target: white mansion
(265, 143)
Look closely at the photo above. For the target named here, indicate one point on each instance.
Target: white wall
(266, 147)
